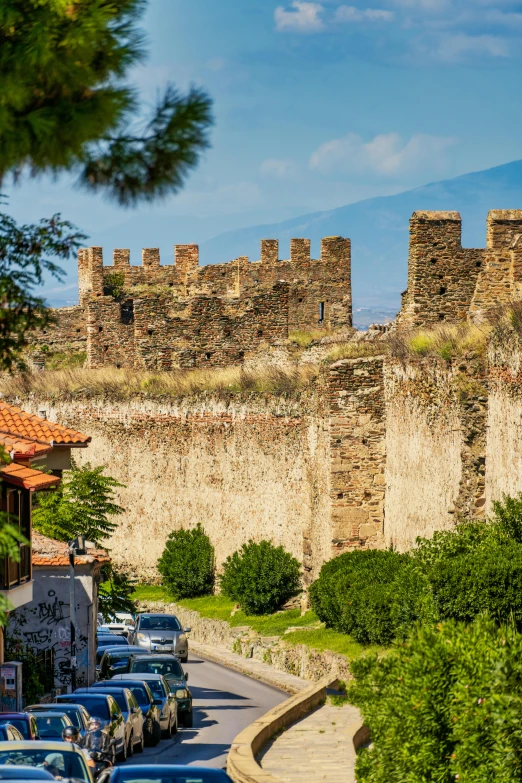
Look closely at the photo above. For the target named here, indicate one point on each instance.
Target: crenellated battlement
(182, 314)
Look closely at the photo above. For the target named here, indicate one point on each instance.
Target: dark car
(110, 639)
(163, 773)
(23, 721)
(160, 633)
(115, 660)
(132, 714)
(11, 772)
(112, 647)
(51, 724)
(76, 712)
(106, 709)
(172, 670)
(145, 699)
(8, 733)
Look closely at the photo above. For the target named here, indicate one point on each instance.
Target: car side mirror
(186, 675)
(187, 630)
(158, 702)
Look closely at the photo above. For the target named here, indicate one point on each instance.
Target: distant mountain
(378, 228)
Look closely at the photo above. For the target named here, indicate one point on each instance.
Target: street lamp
(76, 547)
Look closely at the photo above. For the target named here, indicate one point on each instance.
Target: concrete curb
(242, 765)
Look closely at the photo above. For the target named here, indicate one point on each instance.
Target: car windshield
(21, 725)
(72, 714)
(63, 763)
(94, 706)
(161, 623)
(50, 726)
(119, 698)
(156, 688)
(166, 668)
(115, 659)
(139, 692)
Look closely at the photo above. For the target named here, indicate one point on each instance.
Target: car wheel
(184, 659)
(122, 755)
(130, 746)
(188, 720)
(175, 725)
(140, 745)
(156, 733)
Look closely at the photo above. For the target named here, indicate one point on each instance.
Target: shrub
(260, 577)
(488, 578)
(373, 595)
(187, 563)
(445, 706)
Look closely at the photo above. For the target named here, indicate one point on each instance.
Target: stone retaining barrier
(242, 765)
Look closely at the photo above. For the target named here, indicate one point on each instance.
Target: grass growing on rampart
(124, 384)
(444, 342)
(218, 607)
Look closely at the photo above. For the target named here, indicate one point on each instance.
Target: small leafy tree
(83, 504)
(187, 563)
(115, 593)
(260, 577)
(445, 706)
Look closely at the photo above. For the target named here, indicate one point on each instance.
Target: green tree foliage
(187, 563)
(24, 252)
(260, 577)
(83, 504)
(115, 593)
(64, 103)
(445, 706)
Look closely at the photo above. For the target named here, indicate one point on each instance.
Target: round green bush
(187, 563)
(373, 595)
(260, 577)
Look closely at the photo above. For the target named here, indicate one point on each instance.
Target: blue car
(163, 773)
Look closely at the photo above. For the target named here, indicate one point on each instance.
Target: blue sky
(317, 104)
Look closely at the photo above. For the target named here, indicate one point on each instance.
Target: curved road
(224, 703)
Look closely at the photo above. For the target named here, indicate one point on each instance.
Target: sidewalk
(318, 747)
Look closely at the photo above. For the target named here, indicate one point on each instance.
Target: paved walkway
(318, 747)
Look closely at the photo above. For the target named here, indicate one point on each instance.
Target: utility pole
(76, 547)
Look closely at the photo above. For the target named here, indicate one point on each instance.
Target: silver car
(160, 633)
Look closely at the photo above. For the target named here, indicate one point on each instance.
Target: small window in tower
(207, 356)
(100, 328)
(78, 331)
(477, 264)
(321, 312)
(127, 312)
(442, 290)
(150, 332)
(433, 260)
(441, 316)
(300, 300)
(259, 332)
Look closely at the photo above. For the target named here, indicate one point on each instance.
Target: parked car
(51, 723)
(163, 773)
(76, 712)
(160, 633)
(120, 624)
(10, 772)
(106, 709)
(110, 640)
(8, 733)
(132, 715)
(23, 721)
(163, 698)
(115, 660)
(61, 759)
(145, 699)
(172, 670)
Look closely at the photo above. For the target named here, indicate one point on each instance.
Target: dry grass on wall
(123, 384)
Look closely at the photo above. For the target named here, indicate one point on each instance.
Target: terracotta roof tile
(28, 478)
(14, 421)
(48, 552)
(23, 448)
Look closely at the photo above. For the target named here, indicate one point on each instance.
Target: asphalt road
(224, 703)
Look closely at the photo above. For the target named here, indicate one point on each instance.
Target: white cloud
(278, 168)
(385, 155)
(303, 17)
(457, 47)
(348, 13)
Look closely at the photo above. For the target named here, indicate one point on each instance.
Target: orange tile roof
(28, 478)
(48, 552)
(14, 421)
(23, 448)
